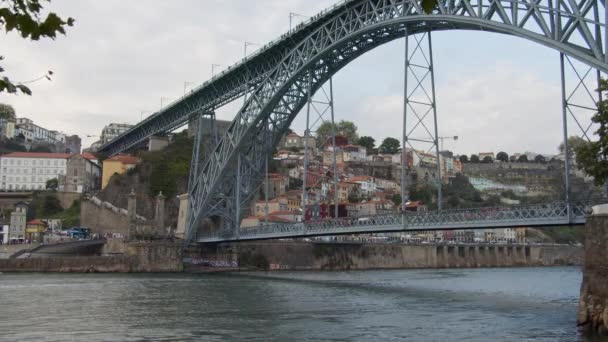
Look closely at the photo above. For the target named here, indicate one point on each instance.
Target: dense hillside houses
(25, 133)
(368, 183)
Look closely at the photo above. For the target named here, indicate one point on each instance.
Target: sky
(122, 59)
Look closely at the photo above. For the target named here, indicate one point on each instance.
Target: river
(514, 304)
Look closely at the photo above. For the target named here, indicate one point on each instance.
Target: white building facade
(30, 170)
(113, 130)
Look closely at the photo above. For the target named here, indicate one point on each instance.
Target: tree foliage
(26, 17)
(502, 156)
(592, 157)
(52, 184)
(463, 158)
(523, 158)
(574, 144)
(389, 146)
(474, 158)
(354, 196)
(7, 112)
(540, 159)
(344, 128)
(169, 166)
(487, 160)
(368, 142)
(396, 199)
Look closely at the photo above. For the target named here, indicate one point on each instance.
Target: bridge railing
(559, 212)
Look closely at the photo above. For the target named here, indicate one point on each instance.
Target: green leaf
(24, 89)
(428, 5)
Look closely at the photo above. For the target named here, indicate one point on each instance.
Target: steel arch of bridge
(233, 172)
(577, 29)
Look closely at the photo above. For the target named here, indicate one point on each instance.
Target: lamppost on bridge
(142, 111)
(455, 138)
(213, 66)
(247, 44)
(162, 100)
(186, 84)
(293, 15)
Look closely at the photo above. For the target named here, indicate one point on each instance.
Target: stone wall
(9, 199)
(116, 256)
(70, 264)
(351, 256)
(102, 220)
(7, 250)
(593, 304)
(66, 199)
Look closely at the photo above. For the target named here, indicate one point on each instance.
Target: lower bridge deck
(536, 215)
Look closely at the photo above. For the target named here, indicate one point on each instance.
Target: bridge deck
(550, 214)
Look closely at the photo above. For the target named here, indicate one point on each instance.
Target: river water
(517, 304)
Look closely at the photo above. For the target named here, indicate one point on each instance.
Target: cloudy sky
(495, 92)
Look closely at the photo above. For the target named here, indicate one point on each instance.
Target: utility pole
(455, 138)
(293, 15)
(213, 66)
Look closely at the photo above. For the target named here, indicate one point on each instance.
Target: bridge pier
(593, 302)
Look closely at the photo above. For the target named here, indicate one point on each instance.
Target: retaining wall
(351, 256)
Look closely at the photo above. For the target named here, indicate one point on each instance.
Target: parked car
(79, 233)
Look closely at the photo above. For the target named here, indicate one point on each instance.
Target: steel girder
(571, 27)
(547, 214)
(358, 27)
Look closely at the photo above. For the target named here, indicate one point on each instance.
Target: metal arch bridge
(548, 214)
(283, 75)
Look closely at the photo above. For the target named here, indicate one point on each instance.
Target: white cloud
(495, 108)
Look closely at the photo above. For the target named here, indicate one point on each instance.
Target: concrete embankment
(116, 256)
(593, 304)
(355, 256)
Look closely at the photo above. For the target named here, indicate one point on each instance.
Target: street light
(455, 138)
(249, 44)
(142, 111)
(186, 84)
(293, 15)
(162, 99)
(213, 66)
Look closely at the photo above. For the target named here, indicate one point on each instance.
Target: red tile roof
(89, 156)
(124, 158)
(37, 155)
(278, 219)
(359, 179)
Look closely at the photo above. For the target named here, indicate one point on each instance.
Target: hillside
(163, 171)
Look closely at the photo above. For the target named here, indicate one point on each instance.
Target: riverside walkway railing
(545, 214)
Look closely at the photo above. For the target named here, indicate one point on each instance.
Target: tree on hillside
(28, 19)
(7, 112)
(368, 142)
(502, 156)
(396, 199)
(354, 196)
(474, 158)
(344, 128)
(422, 193)
(592, 157)
(463, 158)
(540, 159)
(389, 146)
(487, 160)
(522, 159)
(52, 184)
(574, 143)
